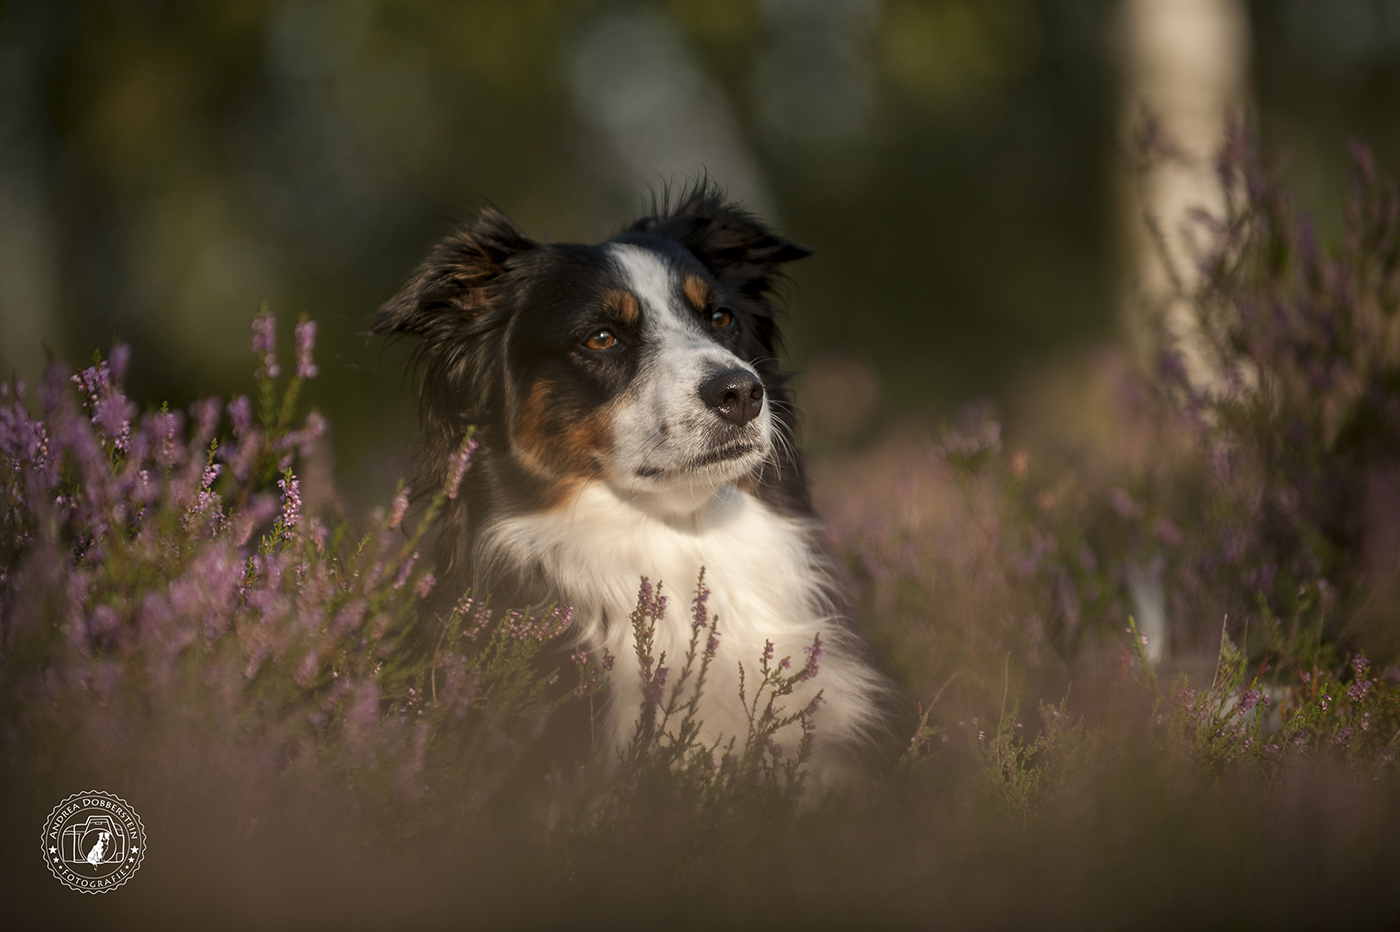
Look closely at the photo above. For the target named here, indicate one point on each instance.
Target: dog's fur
(615, 391)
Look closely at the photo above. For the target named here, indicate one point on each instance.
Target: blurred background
(962, 168)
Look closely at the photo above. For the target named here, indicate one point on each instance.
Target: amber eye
(721, 319)
(600, 340)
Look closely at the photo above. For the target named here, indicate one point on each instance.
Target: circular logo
(93, 842)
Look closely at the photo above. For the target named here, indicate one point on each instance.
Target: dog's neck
(683, 509)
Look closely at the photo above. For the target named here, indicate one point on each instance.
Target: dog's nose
(735, 394)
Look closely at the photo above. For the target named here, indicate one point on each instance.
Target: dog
(633, 421)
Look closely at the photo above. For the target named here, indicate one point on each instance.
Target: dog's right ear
(456, 283)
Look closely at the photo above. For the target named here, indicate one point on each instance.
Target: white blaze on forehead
(652, 280)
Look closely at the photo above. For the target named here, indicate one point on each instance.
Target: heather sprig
(268, 450)
(767, 715)
(764, 767)
(1020, 773)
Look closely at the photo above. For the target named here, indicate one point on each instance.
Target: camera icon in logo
(93, 842)
(98, 840)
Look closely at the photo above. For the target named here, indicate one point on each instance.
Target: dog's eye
(721, 318)
(601, 340)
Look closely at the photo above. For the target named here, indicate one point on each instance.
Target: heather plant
(1016, 771)
(155, 571)
(1350, 713)
(1258, 483)
(1016, 556)
(1297, 400)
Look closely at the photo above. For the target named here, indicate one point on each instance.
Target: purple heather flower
(243, 456)
(291, 504)
(1358, 690)
(400, 507)
(1168, 533)
(814, 657)
(93, 382)
(699, 614)
(305, 439)
(1172, 367)
(767, 651)
(425, 585)
(481, 617)
(775, 749)
(406, 570)
(305, 343)
(259, 511)
(1247, 702)
(608, 660)
(350, 617)
(1123, 503)
(206, 414)
(265, 344)
(105, 624)
(205, 499)
(164, 429)
(457, 466)
(240, 412)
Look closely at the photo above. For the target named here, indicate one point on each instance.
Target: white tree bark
(1186, 64)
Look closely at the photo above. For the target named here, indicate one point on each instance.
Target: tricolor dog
(633, 421)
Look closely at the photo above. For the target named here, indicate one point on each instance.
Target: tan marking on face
(624, 304)
(696, 291)
(560, 447)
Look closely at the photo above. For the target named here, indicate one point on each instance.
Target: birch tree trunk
(1185, 65)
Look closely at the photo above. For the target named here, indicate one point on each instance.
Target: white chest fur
(766, 581)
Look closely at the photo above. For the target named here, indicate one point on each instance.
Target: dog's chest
(764, 578)
(759, 566)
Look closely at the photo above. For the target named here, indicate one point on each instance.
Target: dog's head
(647, 361)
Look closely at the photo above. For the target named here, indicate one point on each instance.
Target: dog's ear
(455, 284)
(735, 246)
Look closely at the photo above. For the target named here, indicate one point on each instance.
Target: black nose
(735, 394)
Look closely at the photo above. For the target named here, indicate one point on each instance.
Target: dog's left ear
(456, 283)
(735, 246)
